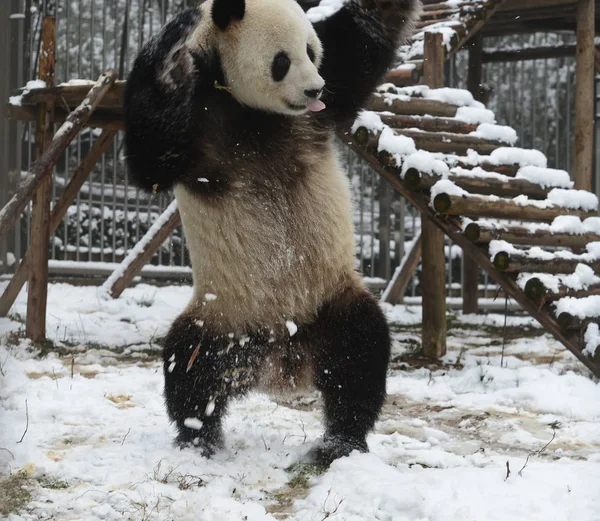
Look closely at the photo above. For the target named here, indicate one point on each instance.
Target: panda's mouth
(313, 105)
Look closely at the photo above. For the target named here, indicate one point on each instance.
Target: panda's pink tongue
(315, 105)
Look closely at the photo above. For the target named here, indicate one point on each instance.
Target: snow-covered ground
(84, 435)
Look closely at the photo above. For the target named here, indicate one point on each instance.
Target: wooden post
(584, 101)
(40, 217)
(433, 281)
(470, 268)
(81, 173)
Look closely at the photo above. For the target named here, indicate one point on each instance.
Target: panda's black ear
(225, 11)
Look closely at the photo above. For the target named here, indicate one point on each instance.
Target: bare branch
(27, 421)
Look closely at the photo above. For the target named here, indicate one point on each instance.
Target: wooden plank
(433, 284)
(451, 226)
(395, 289)
(481, 234)
(143, 251)
(530, 53)
(584, 97)
(478, 185)
(42, 167)
(103, 118)
(414, 107)
(473, 206)
(37, 294)
(519, 263)
(80, 174)
(429, 124)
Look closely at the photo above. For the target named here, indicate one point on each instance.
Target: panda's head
(270, 54)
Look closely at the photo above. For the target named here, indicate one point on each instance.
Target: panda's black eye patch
(311, 53)
(280, 66)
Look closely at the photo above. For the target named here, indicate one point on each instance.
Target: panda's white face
(270, 58)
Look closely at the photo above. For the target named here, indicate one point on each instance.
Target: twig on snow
(11, 454)
(507, 471)
(538, 452)
(329, 513)
(125, 437)
(27, 421)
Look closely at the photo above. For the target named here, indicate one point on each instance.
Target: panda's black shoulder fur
(181, 126)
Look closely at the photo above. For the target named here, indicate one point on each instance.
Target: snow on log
(141, 253)
(524, 235)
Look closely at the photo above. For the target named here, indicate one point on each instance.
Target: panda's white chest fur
(270, 257)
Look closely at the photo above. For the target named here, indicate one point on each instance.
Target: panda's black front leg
(161, 117)
(351, 360)
(202, 372)
(360, 42)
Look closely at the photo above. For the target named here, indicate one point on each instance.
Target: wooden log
(143, 251)
(478, 185)
(103, 118)
(405, 75)
(414, 107)
(523, 236)
(433, 285)
(501, 209)
(80, 174)
(433, 124)
(518, 263)
(537, 291)
(37, 295)
(543, 52)
(42, 167)
(451, 226)
(570, 322)
(584, 97)
(395, 289)
(508, 170)
(69, 97)
(448, 143)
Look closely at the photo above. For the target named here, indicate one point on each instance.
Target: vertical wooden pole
(40, 218)
(433, 281)
(470, 267)
(584, 101)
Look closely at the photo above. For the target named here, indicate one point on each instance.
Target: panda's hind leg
(202, 372)
(352, 350)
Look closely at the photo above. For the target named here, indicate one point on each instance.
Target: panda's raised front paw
(177, 69)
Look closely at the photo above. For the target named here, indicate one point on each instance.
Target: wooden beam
(530, 53)
(139, 256)
(414, 107)
(584, 97)
(431, 124)
(470, 272)
(478, 185)
(433, 283)
(395, 289)
(537, 291)
(473, 206)
(518, 263)
(80, 174)
(103, 118)
(37, 295)
(42, 167)
(481, 234)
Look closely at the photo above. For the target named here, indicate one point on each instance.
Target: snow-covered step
(453, 202)
(507, 258)
(489, 184)
(562, 232)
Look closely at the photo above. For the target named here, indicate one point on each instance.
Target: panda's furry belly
(269, 259)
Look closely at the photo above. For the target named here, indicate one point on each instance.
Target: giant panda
(234, 106)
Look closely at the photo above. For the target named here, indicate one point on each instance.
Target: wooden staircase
(521, 222)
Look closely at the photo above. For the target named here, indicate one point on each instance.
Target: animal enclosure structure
(471, 190)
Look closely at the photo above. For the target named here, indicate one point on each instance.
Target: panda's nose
(313, 93)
